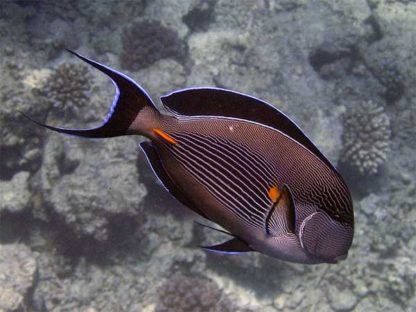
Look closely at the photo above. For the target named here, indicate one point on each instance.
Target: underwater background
(85, 225)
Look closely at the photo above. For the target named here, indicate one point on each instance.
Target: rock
(365, 305)
(90, 286)
(204, 49)
(14, 194)
(18, 137)
(170, 13)
(17, 276)
(396, 23)
(163, 77)
(10, 300)
(87, 184)
(341, 300)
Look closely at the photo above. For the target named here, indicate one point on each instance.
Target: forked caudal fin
(129, 100)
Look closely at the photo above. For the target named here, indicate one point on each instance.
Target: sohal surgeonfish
(240, 163)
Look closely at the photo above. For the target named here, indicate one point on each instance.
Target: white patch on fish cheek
(231, 128)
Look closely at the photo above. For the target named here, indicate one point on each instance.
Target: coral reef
(191, 294)
(67, 88)
(146, 42)
(17, 276)
(366, 138)
(80, 206)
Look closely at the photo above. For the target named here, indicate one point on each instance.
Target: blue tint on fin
(130, 98)
(232, 246)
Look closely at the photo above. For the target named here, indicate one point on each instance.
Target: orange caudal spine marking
(273, 193)
(164, 136)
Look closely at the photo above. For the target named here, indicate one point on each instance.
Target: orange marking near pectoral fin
(273, 193)
(281, 218)
(164, 136)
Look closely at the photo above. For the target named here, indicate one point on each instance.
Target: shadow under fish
(238, 162)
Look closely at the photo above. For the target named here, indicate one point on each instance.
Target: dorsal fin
(226, 103)
(282, 218)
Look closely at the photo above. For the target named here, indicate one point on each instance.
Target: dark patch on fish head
(325, 238)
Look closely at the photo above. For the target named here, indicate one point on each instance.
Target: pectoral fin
(282, 216)
(232, 246)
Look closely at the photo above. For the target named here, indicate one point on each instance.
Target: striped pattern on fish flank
(331, 199)
(311, 181)
(235, 175)
(328, 192)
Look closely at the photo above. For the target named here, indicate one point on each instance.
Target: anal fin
(232, 246)
(282, 216)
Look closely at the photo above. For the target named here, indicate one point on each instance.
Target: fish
(238, 162)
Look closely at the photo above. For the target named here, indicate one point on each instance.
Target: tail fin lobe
(129, 100)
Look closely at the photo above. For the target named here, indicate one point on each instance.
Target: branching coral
(366, 138)
(68, 87)
(191, 294)
(146, 42)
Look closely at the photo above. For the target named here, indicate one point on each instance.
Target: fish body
(239, 163)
